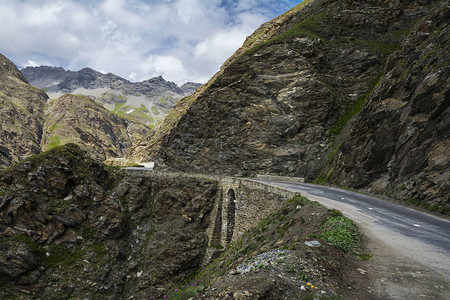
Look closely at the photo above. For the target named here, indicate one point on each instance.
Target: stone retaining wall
(280, 178)
(238, 206)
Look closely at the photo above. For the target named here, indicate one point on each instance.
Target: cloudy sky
(182, 40)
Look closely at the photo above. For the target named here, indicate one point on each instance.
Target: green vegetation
(305, 27)
(364, 256)
(184, 294)
(144, 109)
(442, 208)
(302, 276)
(263, 266)
(118, 106)
(59, 256)
(290, 268)
(353, 107)
(251, 46)
(131, 112)
(351, 110)
(54, 141)
(134, 165)
(299, 200)
(155, 110)
(342, 233)
(383, 47)
(24, 239)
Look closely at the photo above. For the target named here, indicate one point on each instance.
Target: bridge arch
(230, 215)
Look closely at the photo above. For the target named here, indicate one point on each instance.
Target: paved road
(419, 236)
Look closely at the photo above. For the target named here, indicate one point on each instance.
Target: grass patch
(302, 276)
(341, 233)
(118, 106)
(364, 256)
(134, 165)
(290, 268)
(352, 109)
(54, 141)
(184, 294)
(22, 238)
(306, 28)
(442, 209)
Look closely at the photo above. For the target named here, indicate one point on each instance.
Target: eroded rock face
(78, 119)
(22, 110)
(285, 102)
(69, 227)
(272, 107)
(400, 142)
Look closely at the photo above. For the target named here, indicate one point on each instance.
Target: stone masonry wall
(238, 205)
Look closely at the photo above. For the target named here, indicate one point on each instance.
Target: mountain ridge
(30, 122)
(113, 92)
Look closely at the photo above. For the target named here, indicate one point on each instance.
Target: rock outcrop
(399, 143)
(78, 119)
(147, 101)
(282, 102)
(271, 108)
(22, 115)
(72, 228)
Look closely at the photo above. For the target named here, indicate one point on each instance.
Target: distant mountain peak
(148, 101)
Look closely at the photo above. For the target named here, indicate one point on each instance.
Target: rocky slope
(78, 119)
(30, 122)
(72, 228)
(22, 109)
(282, 102)
(147, 101)
(400, 142)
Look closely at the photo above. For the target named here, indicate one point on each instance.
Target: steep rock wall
(399, 144)
(277, 104)
(73, 228)
(22, 110)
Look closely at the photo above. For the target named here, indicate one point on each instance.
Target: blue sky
(182, 40)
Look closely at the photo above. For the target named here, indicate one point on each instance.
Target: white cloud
(114, 10)
(183, 40)
(167, 66)
(217, 48)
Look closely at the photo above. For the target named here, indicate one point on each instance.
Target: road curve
(418, 236)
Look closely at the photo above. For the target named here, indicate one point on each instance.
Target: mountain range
(148, 101)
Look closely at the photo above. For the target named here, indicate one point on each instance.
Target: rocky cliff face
(285, 103)
(22, 117)
(72, 228)
(147, 101)
(78, 119)
(400, 142)
(278, 104)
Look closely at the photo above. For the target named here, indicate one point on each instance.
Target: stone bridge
(239, 204)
